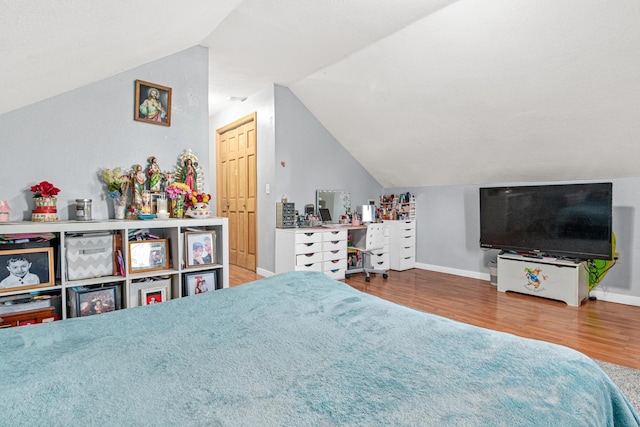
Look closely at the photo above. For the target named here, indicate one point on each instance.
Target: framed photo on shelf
(200, 248)
(153, 295)
(148, 255)
(153, 103)
(199, 283)
(26, 268)
(96, 301)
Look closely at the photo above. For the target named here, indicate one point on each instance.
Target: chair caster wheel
(368, 279)
(385, 275)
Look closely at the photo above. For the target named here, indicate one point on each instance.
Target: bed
(296, 349)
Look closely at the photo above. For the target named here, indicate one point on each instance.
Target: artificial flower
(200, 197)
(177, 189)
(117, 182)
(44, 189)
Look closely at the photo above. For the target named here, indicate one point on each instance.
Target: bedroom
(67, 109)
(50, 109)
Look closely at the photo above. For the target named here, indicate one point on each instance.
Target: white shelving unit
(172, 229)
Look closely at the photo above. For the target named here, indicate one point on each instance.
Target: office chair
(366, 244)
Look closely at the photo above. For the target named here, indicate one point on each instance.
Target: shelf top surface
(113, 224)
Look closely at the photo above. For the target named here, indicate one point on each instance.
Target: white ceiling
(421, 92)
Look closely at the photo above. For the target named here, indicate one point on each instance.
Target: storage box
(89, 256)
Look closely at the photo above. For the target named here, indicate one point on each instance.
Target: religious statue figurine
(154, 175)
(139, 179)
(189, 172)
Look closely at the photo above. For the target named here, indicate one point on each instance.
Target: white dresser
(402, 244)
(320, 249)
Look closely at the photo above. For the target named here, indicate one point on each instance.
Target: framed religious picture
(153, 103)
(26, 268)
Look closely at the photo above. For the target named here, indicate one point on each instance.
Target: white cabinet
(402, 244)
(173, 230)
(562, 280)
(313, 249)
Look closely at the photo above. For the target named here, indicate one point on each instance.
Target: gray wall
(287, 132)
(448, 234)
(70, 138)
(313, 159)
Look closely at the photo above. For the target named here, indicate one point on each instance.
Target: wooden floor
(602, 330)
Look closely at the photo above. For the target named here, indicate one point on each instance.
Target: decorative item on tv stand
(46, 202)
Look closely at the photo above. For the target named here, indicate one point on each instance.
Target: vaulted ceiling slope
(421, 92)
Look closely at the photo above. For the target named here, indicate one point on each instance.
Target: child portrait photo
(26, 268)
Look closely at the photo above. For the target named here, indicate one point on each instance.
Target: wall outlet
(617, 256)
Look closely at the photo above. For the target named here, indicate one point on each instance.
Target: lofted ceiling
(421, 92)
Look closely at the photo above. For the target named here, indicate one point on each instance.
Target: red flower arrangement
(44, 189)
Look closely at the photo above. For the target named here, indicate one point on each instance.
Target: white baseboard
(264, 273)
(601, 294)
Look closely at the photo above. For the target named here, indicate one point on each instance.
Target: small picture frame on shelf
(96, 301)
(26, 268)
(200, 248)
(153, 295)
(148, 255)
(199, 283)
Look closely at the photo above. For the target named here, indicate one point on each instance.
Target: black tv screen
(565, 220)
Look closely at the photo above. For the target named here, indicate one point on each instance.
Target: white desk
(320, 249)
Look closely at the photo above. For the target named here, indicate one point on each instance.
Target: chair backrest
(375, 236)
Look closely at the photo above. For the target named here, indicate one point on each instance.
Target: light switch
(267, 189)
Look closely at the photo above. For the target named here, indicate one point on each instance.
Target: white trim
(454, 271)
(602, 295)
(263, 272)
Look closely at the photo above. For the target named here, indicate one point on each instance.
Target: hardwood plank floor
(602, 330)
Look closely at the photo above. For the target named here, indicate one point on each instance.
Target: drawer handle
(335, 252)
(335, 261)
(309, 255)
(309, 234)
(309, 244)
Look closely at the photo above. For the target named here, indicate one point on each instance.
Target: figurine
(154, 175)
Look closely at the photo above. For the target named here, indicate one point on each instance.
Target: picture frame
(199, 283)
(200, 248)
(26, 269)
(154, 295)
(148, 255)
(96, 301)
(153, 103)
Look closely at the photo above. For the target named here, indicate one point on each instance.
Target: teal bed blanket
(296, 349)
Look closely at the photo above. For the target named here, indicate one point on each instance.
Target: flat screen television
(562, 220)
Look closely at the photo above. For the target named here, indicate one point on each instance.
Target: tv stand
(564, 280)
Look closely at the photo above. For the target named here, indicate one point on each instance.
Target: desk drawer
(406, 251)
(379, 252)
(378, 264)
(337, 274)
(338, 254)
(335, 264)
(310, 267)
(309, 258)
(407, 241)
(308, 248)
(405, 263)
(334, 245)
(334, 235)
(309, 237)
